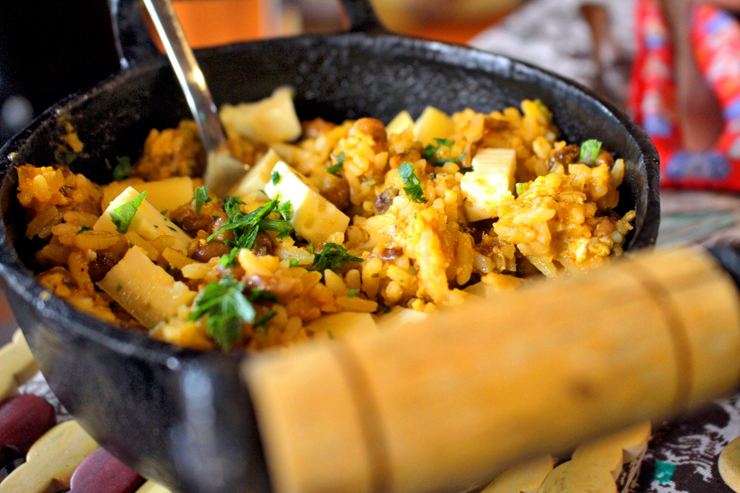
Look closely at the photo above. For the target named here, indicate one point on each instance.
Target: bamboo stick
(466, 393)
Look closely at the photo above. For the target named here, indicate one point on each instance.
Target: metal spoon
(222, 168)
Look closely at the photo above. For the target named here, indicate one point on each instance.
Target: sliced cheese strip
(400, 122)
(523, 478)
(51, 461)
(272, 119)
(148, 222)
(314, 217)
(16, 365)
(254, 182)
(490, 182)
(145, 290)
(164, 195)
(433, 124)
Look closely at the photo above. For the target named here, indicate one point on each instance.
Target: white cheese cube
(250, 187)
(271, 119)
(144, 289)
(167, 194)
(433, 124)
(491, 181)
(339, 324)
(314, 217)
(148, 222)
(400, 122)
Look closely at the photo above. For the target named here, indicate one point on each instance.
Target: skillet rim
(22, 281)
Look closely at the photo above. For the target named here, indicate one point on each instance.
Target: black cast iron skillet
(182, 417)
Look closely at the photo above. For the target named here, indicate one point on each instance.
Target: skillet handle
(362, 17)
(133, 42)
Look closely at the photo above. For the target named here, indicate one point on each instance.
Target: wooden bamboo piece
(16, 365)
(468, 392)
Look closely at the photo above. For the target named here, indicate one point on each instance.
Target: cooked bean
(384, 200)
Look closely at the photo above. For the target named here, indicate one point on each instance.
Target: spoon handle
(188, 73)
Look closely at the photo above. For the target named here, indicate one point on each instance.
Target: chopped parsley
(521, 188)
(388, 310)
(590, 151)
(275, 177)
(353, 292)
(201, 197)
(412, 185)
(226, 308)
(293, 262)
(334, 169)
(246, 225)
(124, 214)
(262, 295)
(83, 229)
(122, 169)
(464, 170)
(331, 257)
(430, 152)
(119, 287)
(262, 321)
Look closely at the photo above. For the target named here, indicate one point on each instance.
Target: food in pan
(336, 228)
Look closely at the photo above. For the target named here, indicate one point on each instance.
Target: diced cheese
(433, 124)
(400, 122)
(147, 223)
(400, 317)
(271, 119)
(144, 289)
(340, 324)
(491, 181)
(164, 195)
(314, 217)
(250, 187)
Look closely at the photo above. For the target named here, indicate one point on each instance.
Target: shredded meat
(336, 191)
(384, 200)
(99, 267)
(565, 156)
(262, 244)
(391, 253)
(374, 128)
(206, 250)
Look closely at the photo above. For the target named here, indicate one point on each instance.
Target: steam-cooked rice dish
(336, 228)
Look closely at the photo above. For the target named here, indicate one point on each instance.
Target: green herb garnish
(124, 214)
(262, 321)
(119, 287)
(201, 197)
(83, 229)
(122, 169)
(226, 309)
(521, 188)
(334, 169)
(275, 177)
(262, 295)
(590, 151)
(430, 152)
(331, 257)
(246, 225)
(353, 292)
(412, 184)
